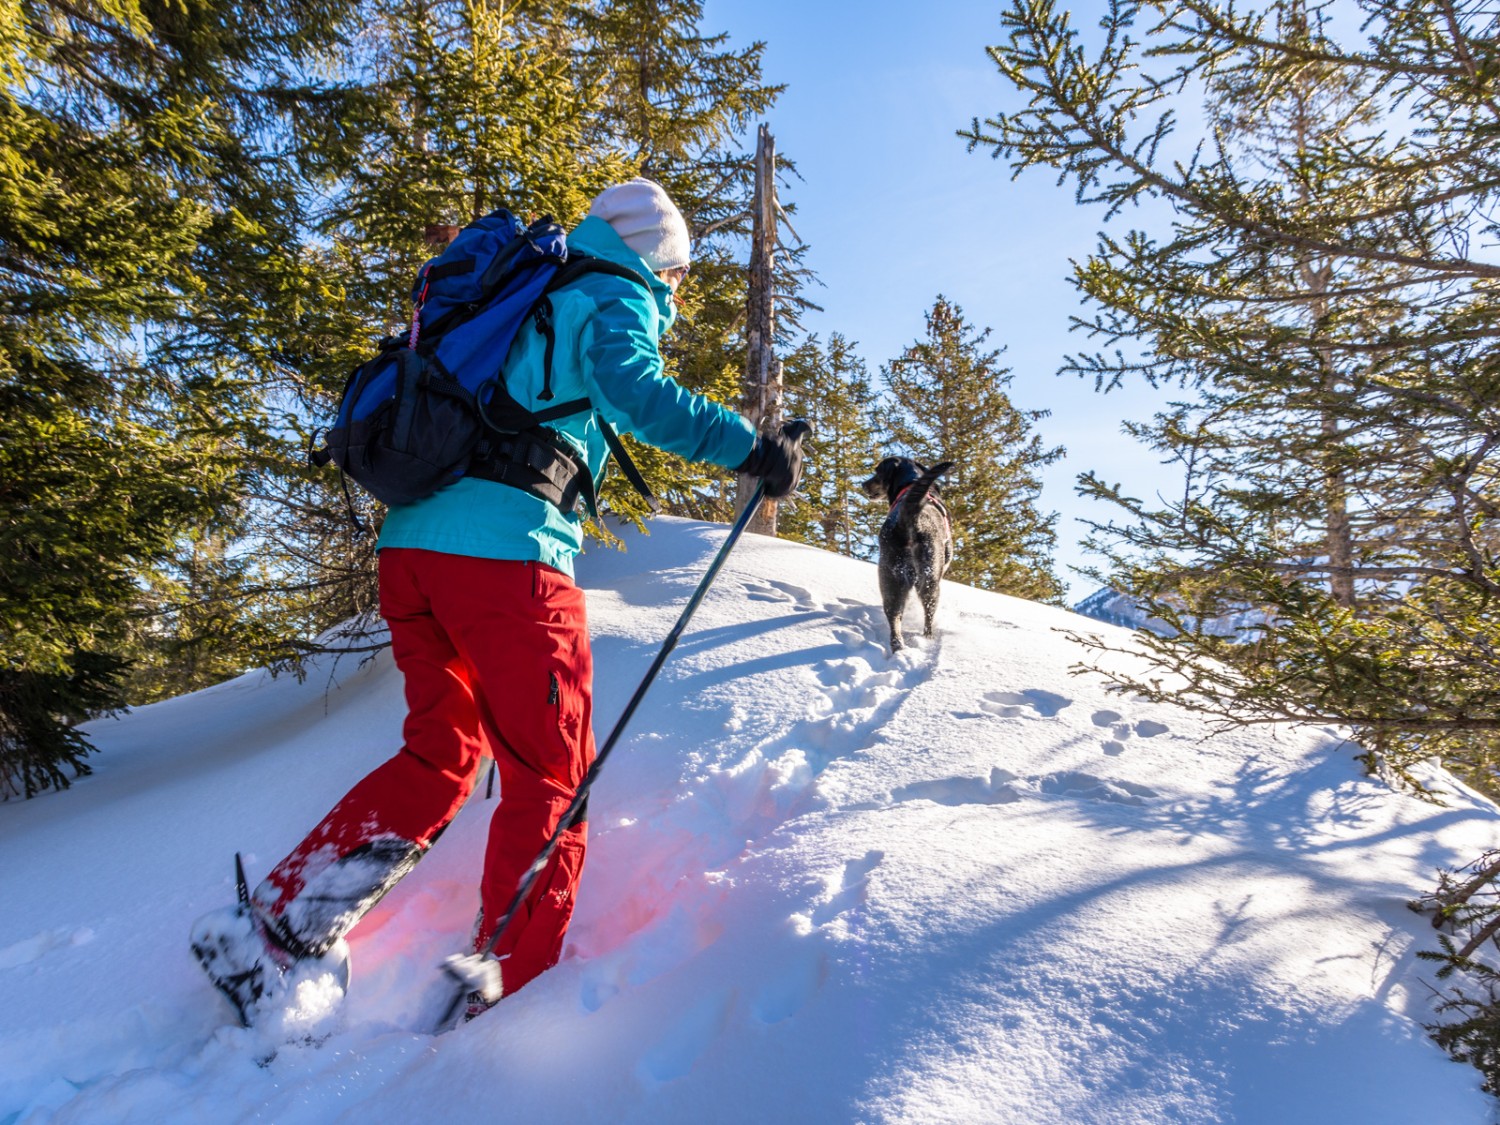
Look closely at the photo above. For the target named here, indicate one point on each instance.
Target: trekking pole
(480, 972)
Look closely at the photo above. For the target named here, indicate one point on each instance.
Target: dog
(916, 540)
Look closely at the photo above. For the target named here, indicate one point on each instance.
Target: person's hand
(776, 458)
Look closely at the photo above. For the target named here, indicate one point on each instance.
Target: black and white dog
(916, 540)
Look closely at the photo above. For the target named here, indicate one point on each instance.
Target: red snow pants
(497, 664)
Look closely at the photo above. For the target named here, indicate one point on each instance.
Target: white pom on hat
(647, 220)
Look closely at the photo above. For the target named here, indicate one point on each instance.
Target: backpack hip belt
(536, 465)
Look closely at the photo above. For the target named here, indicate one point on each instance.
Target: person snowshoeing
(490, 633)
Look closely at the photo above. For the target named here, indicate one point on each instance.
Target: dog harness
(928, 499)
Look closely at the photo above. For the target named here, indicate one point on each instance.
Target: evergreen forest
(213, 211)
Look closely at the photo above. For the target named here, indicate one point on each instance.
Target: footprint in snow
(39, 945)
(986, 619)
(1122, 730)
(852, 639)
(852, 891)
(853, 698)
(858, 625)
(1004, 787)
(760, 592)
(1073, 783)
(853, 683)
(603, 980)
(799, 594)
(783, 592)
(1013, 704)
(666, 943)
(675, 1053)
(863, 625)
(796, 983)
(962, 790)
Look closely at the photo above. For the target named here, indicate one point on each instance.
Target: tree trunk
(762, 384)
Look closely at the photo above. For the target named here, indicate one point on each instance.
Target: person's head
(674, 277)
(647, 221)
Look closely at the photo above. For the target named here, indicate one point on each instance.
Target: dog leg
(929, 606)
(893, 596)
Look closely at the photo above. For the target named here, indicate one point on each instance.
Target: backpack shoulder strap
(570, 271)
(579, 264)
(628, 465)
(575, 267)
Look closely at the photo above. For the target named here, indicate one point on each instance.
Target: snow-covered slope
(824, 885)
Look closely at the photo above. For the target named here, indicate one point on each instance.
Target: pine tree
(1318, 293)
(674, 94)
(831, 389)
(948, 403)
(131, 137)
(465, 108)
(1323, 289)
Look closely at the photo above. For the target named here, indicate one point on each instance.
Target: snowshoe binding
(258, 973)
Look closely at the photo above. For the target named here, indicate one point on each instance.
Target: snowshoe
(472, 983)
(257, 973)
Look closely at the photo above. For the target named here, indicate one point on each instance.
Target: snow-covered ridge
(1115, 608)
(824, 885)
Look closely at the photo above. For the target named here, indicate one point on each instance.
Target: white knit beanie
(647, 220)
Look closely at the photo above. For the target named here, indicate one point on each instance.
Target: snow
(824, 884)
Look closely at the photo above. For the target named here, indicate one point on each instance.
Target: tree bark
(762, 382)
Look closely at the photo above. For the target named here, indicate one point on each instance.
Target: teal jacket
(608, 329)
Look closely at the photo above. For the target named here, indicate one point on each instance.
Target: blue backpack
(432, 405)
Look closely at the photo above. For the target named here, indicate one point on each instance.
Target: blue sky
(896, 211)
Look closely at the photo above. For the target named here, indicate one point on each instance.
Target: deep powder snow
(824, 885)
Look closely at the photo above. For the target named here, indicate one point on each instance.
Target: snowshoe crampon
(265, 983)
(229, 946)
(258, 978)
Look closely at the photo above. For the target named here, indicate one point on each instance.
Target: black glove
(777, 459)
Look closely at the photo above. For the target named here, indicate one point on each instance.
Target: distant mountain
(1115, 608)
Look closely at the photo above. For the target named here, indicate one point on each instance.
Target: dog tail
(911, 499)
